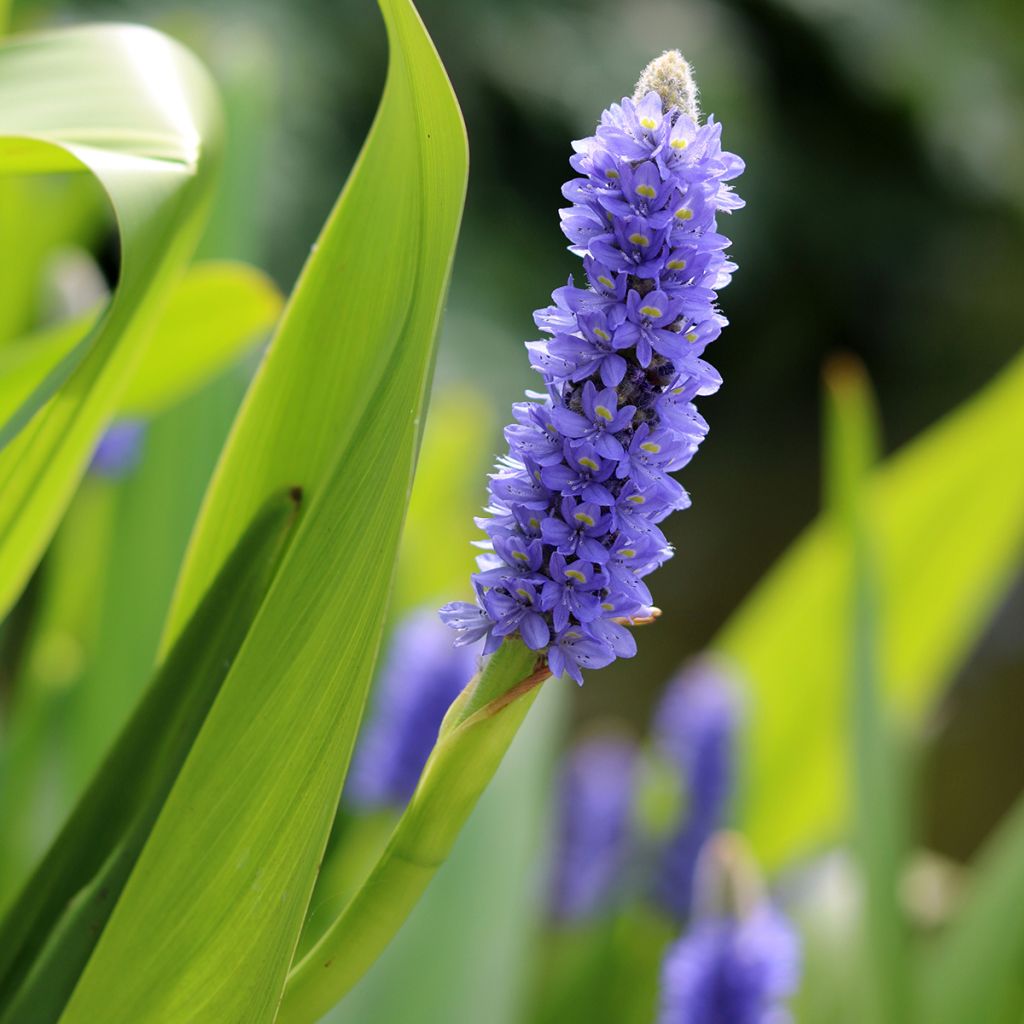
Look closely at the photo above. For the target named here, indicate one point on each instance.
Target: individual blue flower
(593, 827)
(597, 423)
(575, 504)
(119, 449)
(694, 727)
(732, 971)
(422, 674)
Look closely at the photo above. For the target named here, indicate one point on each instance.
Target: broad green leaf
(474, 737)
(216, 312)
(226, 875)
(213, 314)
(974, 971)
(878, 783)
(947, 513)
(118, 808)
(138, 112)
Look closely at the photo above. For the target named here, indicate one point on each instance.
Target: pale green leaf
(137, 111)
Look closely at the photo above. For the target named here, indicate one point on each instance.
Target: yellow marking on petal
(684, 213)
(521, 556)
(650, 311)
(691, 337)
(604, 412)
(676, 264)
(524, 594)
(649, 123)
(650, 446)
(606, 606)
(534, 525)
(550, 428)
(678, 143)
(646, 191)
(626, 552)
(637, 499)
(602, 334)
(606, 281)
(575, 574)
(589, 463)
(582, 517)
(611, 173)
(637, 239)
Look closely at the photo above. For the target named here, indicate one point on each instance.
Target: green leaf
(215, 312)
(474, 737)
(218, 310)
(138, 112)
(974, 971)
(227, 873)
(117, 810)
(880, 806)
(947, 513)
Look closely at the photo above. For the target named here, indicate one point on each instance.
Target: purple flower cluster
(595, 811)
(574, 509)
(421, 677)
(695, 726)
(732, 970)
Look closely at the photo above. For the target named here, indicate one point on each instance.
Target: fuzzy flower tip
(575, 504)
(735, 970)
(118, 449)
(421, 677)
(594, 833)
(694, 727)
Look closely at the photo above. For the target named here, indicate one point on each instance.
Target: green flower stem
(472, 741)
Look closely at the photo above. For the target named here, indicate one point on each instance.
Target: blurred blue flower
(589, 458)
(594, 826)
(732, 971)
(422, 674)
(118, 449)
(694, 727)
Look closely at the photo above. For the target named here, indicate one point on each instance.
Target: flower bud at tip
(671, 77)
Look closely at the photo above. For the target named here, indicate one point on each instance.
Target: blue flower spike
(572, 523)
(740, 960)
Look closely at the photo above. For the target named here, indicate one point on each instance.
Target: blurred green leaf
(975, 970)
(218, 310)
(103, 836)
(878, 783)
(947, 513)
(213, 314)
(227, 873)
(473, 739)
(139, 113)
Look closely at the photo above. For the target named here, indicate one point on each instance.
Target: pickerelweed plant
(572, 524)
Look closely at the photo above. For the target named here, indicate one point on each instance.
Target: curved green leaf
(210, 917)
(947, 513)
(138, 112)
